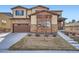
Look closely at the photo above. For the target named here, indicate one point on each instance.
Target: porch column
(33, 23)
(54, 23)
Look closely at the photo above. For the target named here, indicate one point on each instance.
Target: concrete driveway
(11, 39)
(2, 36)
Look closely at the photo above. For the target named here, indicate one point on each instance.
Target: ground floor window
(46, 24)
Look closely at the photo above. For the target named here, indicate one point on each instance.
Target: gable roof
(40, 6)
(19, 7)
(56, 10)
(6, 13)
(44, 11)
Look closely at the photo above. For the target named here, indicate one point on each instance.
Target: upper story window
(19, 12)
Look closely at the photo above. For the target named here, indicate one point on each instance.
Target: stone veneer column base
(54, 27)
(33, 28)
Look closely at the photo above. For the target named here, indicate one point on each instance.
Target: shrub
(46, 35)
(29, 34)
(73, 34)
(37, 34)
(66, 33)
(54, 34)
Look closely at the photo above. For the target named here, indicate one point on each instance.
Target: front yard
(42, 43)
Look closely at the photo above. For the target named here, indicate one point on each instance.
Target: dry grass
(42, 43)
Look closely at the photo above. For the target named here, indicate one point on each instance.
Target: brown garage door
(21, 28)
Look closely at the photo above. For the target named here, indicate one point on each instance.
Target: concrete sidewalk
(37, 51)
(11, 39)
(69, 40)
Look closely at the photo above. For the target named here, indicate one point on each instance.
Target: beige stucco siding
(33, 23)
(38, 8)
(20, 21)
(14, 14)
(33, 19)
(29, 12)
(54, 19)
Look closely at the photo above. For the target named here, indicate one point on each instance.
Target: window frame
(19, 12)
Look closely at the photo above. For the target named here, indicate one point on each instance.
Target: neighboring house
(5, 24)
(36, 19)
(72, 28)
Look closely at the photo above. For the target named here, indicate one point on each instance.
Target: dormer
(39, 8)
(19, 12)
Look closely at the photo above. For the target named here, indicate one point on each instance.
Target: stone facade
(33, 28)
(54, 27)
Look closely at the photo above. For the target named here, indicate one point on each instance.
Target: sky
(69, 11)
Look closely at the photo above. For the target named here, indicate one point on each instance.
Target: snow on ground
(2, 36)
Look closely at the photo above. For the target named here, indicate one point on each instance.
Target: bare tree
(73, 21)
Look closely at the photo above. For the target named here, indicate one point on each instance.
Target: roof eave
(18, 6)
(39, 6)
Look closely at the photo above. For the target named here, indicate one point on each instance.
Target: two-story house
(36, 19)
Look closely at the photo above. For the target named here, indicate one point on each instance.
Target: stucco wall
(33, 23)
(54, 19)
(20, 21)
(38, 8)
(33, 19)
(29, 12)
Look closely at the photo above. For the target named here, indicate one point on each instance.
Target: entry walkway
(11, 39)
(69, 40)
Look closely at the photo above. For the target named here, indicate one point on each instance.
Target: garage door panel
(21, 28)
